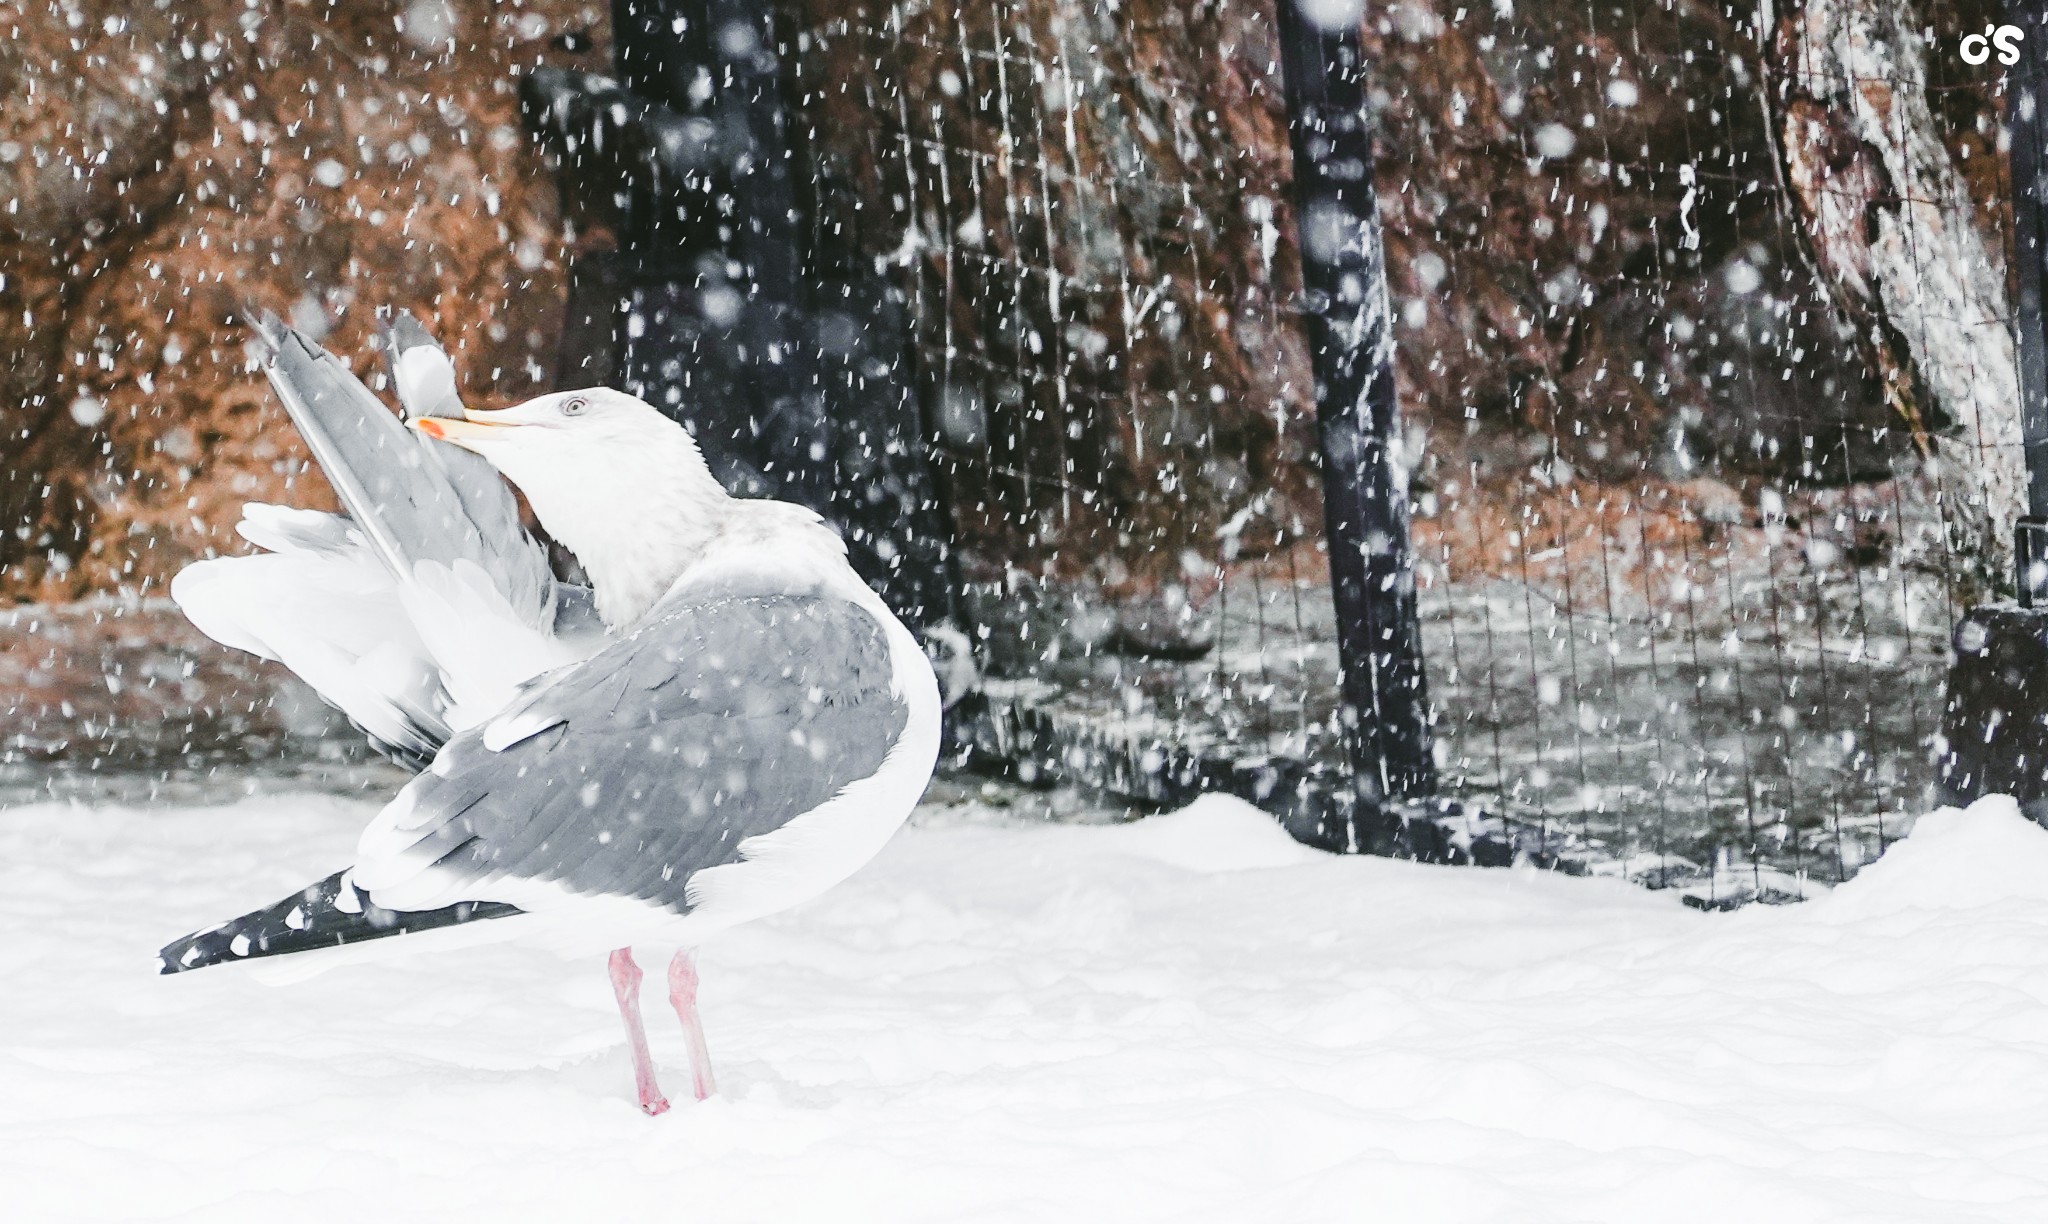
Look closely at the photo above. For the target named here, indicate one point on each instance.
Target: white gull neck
(636, 514)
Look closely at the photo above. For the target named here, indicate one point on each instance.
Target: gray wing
(414, 499)
(654, 760)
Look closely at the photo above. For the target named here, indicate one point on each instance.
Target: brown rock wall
(1598, 269)
(168, 163)
(1088, 200)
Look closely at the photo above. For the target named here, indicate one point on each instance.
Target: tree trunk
(1891, 226)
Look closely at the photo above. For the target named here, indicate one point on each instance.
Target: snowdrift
(1189, 1018)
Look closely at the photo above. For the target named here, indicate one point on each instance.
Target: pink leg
(626, 985)
(682, 992)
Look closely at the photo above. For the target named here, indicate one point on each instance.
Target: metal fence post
(2029, 164)
(1365, 485)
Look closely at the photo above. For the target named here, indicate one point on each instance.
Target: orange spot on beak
(430, 427)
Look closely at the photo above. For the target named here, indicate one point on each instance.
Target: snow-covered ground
(1189, 1018)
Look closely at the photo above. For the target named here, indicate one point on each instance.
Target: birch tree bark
(1890, 223)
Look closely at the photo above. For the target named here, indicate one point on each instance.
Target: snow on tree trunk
(1914, 266)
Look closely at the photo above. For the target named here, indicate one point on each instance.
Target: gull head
(619, 484)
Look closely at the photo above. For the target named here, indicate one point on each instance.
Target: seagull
(724, 724)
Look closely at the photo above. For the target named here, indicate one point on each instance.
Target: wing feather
(423, 610)
(715, 722)
(415, 499)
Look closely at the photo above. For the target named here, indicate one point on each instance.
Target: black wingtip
(194, 951)
(327, 914)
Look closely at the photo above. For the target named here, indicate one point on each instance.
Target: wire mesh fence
(1709, 386)
(1732, 658)
(1111, 361)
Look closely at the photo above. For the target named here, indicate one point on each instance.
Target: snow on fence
(1703, 339)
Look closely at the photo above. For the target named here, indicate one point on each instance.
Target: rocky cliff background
(1640, 247)
(167, 165)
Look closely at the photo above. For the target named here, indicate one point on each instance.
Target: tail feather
(421, 372)
(328, 914)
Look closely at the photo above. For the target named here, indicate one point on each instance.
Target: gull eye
(574, 406)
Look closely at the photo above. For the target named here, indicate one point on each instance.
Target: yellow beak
(473, 426)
